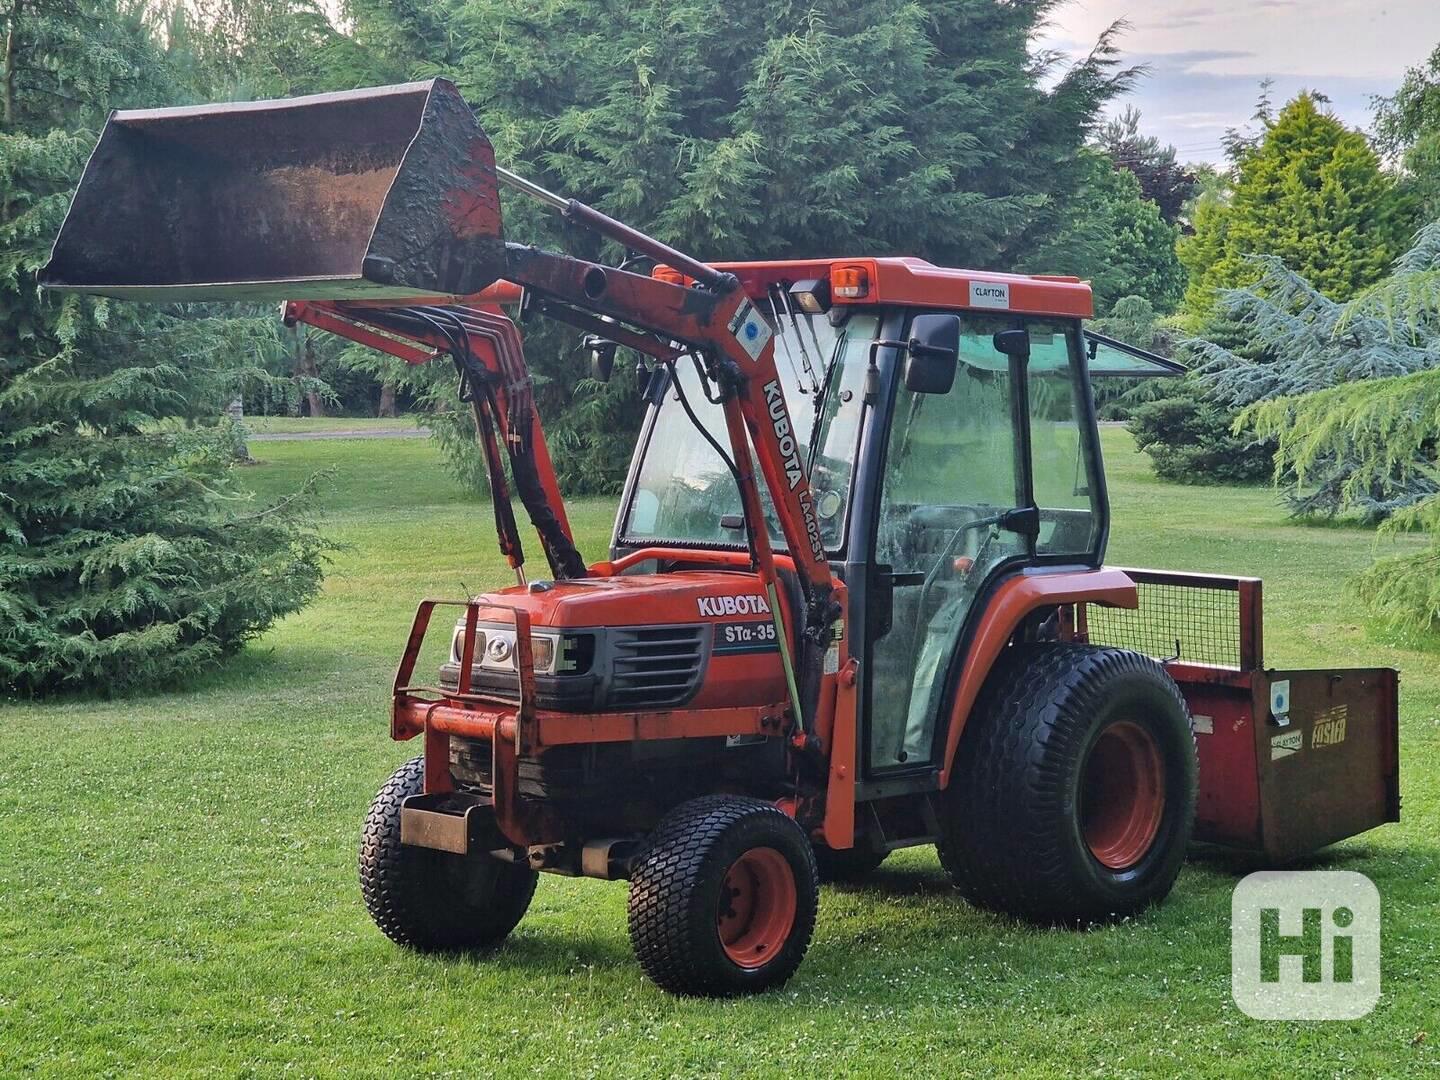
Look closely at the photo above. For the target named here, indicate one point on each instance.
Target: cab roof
(908, 280)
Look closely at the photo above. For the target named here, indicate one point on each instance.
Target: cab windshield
(684, 492)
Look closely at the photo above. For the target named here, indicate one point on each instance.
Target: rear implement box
(1290, 760)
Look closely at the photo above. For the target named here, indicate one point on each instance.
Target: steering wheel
(947, 554)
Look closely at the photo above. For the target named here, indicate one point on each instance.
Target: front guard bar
(509, 726)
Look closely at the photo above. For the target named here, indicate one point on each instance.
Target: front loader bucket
(387, 192)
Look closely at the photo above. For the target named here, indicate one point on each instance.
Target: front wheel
(433, 900)
(723, 901)
(1072, 797)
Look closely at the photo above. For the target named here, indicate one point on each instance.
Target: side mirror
(1013, 342)
(602, 357)
(932, 353)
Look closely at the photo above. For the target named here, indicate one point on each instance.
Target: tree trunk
(12, 47)
(307, 368)
(235, 412)
(387, 400)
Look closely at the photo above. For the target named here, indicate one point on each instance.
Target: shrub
(128, 557)
(1189, 438)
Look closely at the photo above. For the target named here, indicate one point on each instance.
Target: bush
(1189, 439)
(122, 564)
(128, 557)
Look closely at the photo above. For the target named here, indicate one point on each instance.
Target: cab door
(998, 472)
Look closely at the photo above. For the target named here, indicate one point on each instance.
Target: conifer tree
(1111, 235)
(1364, 393)
(761, 131)
(127, 555)
(1310, 193)
(1163, 180)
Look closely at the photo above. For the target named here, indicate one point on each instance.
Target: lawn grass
(295, 425)
(178, 881)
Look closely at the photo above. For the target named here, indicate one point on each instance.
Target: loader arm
(487, 352)
(665, 320)
(726, 330)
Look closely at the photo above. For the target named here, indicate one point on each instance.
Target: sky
(1206, 60)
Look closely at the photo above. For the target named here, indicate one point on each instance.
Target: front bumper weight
(450, 822)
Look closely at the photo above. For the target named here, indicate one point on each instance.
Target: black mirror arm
(872, 370)
(916, 347)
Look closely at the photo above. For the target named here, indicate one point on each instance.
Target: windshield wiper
(799, 337)
(785, 342)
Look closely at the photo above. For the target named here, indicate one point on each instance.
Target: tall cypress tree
(1310, 193)
(127, 556)
(791, 129)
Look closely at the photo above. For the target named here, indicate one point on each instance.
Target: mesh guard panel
(1190, 618)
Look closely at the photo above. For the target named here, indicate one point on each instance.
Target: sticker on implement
(1329, 729)
(1292, 742)
(750, 329)
(990, 294)
(1280, 701)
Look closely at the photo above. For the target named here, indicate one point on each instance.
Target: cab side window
(1062, 470)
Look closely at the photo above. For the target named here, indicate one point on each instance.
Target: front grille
(564, 693)
(656, 665)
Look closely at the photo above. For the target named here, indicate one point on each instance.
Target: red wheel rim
(757, 907)
(1122, 795)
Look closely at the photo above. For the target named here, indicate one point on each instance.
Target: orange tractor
(855, 599)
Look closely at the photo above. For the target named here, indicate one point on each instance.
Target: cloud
(1195, 16)
(1200, 121)
(1205, 58)
(1182, 18)
(1184, 104)
(1191, 60)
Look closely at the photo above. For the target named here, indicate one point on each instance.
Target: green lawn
(177, 878)
(292, 425)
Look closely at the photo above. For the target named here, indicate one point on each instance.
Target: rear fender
(1008, 605)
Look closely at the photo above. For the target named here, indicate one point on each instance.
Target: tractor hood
(700, 596)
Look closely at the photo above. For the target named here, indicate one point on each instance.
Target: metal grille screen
(1192, 623)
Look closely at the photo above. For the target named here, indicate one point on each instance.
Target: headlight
(542, 650)
(495, 650)
(457, 643)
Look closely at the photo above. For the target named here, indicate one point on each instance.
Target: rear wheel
(723, 901)
(1072, 797)
(433, 900)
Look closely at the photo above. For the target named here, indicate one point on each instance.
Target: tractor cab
(945, 448)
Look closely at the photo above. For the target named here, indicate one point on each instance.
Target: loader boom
(664, 320)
